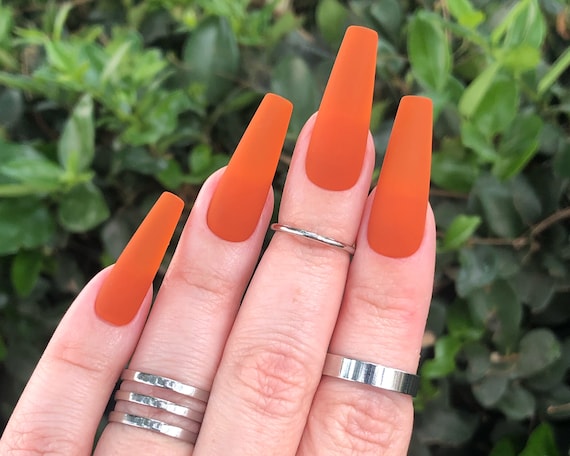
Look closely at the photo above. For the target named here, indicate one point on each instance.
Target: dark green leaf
(460, 324)
(534, 288)
(478, 359)
(499, 212)
(388, 15)
(478, 268)
(292, 79)
(474, 139)
(452, 169)
(541, 442)
(503, 447)
(76, 147)
(445, 426)
(562, 161)
(490, 389)
(460, 230)
(539, 349)
(25, 270)
(82, 208)
(517, 403)
(429, 52)
(212, 55)
(11, 108)
(172, 176)
(24, 223)
(3, 349)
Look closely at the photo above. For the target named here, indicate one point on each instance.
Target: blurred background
(104, 104)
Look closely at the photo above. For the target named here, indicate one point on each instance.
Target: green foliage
(105, 104)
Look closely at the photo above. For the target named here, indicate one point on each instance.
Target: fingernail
(338, 142)
(239, 198)
(124, 289)
(398, 213)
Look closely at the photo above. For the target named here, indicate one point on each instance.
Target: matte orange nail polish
(397, 218)
(239, 198)
(124, 289)
(338, 142)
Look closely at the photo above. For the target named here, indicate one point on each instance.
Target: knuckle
(360, 423)
(274, 379)
(77, 355)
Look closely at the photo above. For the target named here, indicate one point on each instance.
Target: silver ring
(163, 404)
(313, 237)
(371, 374)
(165, 382)
(153, 425)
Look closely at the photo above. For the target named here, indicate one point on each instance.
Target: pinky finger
(61, 406)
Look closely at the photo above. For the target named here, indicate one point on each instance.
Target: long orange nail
(124, 289)
(238, 201)
(397, 218)
(336, 149)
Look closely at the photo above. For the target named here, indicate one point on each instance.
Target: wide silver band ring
(371, 374)
(165, 382)
(313, 237)
(153, 425)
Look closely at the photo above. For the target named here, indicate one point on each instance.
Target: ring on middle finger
(312, 236)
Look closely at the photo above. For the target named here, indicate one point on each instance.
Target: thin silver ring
(371, 374)
(313, 237)
(153, 425)
(165, 382)
(158, 403)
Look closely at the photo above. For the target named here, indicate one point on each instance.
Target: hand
(261, 354)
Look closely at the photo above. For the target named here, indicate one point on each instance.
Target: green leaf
(389, 17)
(442, 425)
(212, 56)
(452, 168)
(3, 349)
(25, 270)
(498, 108)
(82, 208)
(520, 58)
(172, 176)
(517, 403)
(482, 145)
(498, 307)
(460, 324)
(331, 17)
(443, 364)
(518, 145)
(497, 206)
(11, 107)
(293, 79)
(524, 24)
(24, 223)
(490, 389)
(460, 230)
(76, 146)
(541, 442)
(503, 447)
(39, 172)
(554, 72)
(538, 349)
(476, 92)
(465, 13)
(478, 268)
(429, 52)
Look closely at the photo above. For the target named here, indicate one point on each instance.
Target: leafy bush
(105, 104)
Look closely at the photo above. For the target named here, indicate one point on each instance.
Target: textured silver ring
(162, 404)
(165, 382)
(371, 374)
(313, 237)
(153, 425)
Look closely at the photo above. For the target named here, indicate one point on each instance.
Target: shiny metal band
(162, 404)
(187, 418)
(313, 237)
(153, 425)
(371, 374)
(165, 382)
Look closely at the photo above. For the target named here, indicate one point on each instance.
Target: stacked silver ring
(180, 407)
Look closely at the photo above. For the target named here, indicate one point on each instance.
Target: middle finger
(273, 359)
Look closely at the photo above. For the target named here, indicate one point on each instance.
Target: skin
(263, 364)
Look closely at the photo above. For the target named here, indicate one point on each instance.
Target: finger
(61, 407)
(200, 295)
(273, 357)
(386, 301)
